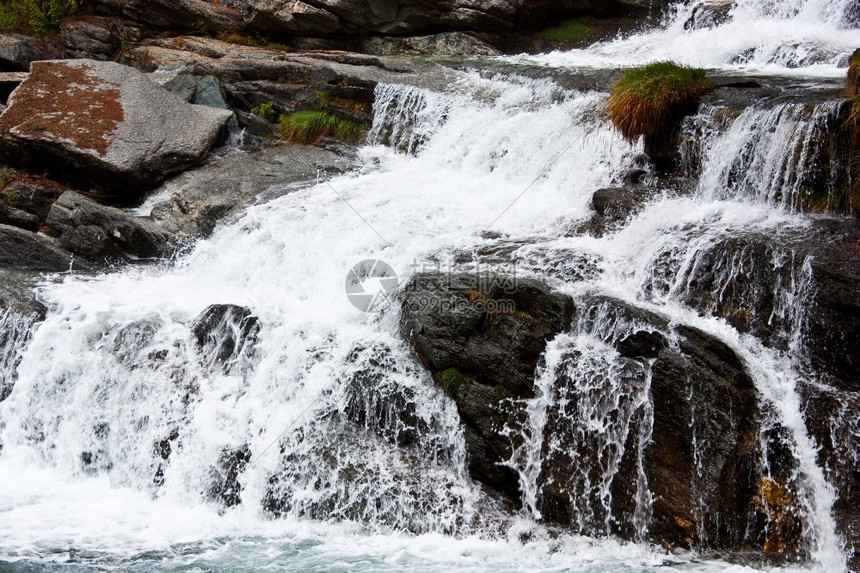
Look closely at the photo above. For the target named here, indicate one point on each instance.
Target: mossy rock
(651, 100)
(451, 381)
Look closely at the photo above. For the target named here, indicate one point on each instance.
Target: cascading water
(150, 426)
(807, 37)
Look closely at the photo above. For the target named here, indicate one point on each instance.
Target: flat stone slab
(103, 125)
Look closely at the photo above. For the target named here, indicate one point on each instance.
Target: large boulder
(626, 423)
(18, 52)
(100, 233)
(481, 337)
(199, 198)
(795, 285)
(103, 124)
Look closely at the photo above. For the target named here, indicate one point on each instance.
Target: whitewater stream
(115, 423)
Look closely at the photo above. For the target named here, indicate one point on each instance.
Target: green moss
(266, 110)
(569, 31)
(6, 176)
(500, 391)
(312, 126)
(451, 381)
(647, 101)
(39, 19)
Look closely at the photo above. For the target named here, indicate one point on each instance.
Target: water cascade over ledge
(232, 408)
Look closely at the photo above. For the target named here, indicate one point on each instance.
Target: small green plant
(313, 126)
(266, 110)
(500, 391)
(29, 16)
(451, 381)
(6, 176)
(648, 101)
(200, 28)
(569, 31)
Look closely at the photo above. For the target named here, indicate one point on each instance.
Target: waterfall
(807, 37)
(236, 394)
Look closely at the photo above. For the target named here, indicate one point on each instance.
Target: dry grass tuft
(648, 101)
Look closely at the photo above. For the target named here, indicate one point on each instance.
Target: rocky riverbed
(138, 129)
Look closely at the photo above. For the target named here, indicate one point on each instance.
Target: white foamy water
(801, 37)
(114, 430)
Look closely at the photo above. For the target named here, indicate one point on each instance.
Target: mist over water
(116, 420)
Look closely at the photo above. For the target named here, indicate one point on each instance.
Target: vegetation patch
(7, 175)
(266, 111)
(854, 74)
(451, 381)
(570, 31)
(251, 41)
(37, 18)
(352, 105)
(649, 101)
(312, 126)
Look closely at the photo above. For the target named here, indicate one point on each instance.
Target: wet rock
(691, 435)
(103, 124)
(20, 249)
(481, 337)
(702, 459)
(491, 327)
(224, 484)
(796, 282)
(446, 44)
(17, 52)
(616, 205)
(710, 14)
(19, 314)
(360, 478)
(198, 199)
(833, 420)
(101, 233)
(379, 404)
(226, 338)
